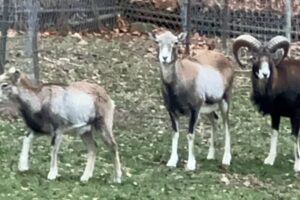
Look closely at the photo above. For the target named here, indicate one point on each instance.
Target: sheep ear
(277, 56)
(15, 76)
(6, 75)
(182, 36)
(152, 36)
(12, 70)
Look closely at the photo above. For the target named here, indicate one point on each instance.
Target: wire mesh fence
(21, 20)
(263, 19)
(213, 18)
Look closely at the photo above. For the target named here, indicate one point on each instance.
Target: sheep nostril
(164, 58)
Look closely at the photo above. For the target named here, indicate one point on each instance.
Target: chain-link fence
(213, 18)
(21, 21)
(221, 18)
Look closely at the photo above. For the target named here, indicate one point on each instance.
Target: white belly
(209, 108)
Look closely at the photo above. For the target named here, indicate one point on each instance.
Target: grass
(142, 129)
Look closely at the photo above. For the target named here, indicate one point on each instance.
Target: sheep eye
(175, 43)
(254, 59)
(4, 85)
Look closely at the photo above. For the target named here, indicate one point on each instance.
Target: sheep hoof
(117, 180)
(191, 165)
(85, 178)
(23, 167)
(226, 159)
(211, 154)
(173, 161)
(270, 160)
(297, 165)
(117, 175)
(52, 175)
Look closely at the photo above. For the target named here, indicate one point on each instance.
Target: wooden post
(4, 28)
(288, 19)
(225, 13)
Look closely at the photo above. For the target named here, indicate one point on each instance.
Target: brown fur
(95, 90)
(27, 84)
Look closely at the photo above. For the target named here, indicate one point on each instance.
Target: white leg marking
(91, 157)
(273, 149)
(109, 140)
(227, 149)
(297, 155)
(211, 150)
(53, 173)
(191, 163)
(117, 170)
(174, 155)
(23, 159)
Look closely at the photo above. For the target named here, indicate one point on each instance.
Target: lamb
(53, 109)
(194, 85)
(275, 86)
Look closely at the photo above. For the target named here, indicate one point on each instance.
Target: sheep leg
(295, 131)
(91, 145)
(56, 140)
(23, 159)
(297, 154)
(175, 136)
(191, 163)
(109, 140)
(224, 107)
(211, 150)
(274, 138)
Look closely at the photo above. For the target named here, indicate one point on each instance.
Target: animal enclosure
(224, 19)
(127, 67)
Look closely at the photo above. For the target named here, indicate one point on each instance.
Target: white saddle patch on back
(210, 83)
(76, 107)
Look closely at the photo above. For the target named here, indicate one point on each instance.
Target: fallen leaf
(83, 42)
(225, 180)
(246, 183)
(11, 33)
(77, 35)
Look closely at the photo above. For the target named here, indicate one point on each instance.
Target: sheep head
(264, 55)
(167, 43)
(8, 81)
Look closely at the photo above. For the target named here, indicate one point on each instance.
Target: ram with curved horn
(275, 86)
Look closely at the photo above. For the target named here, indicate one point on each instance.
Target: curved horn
(245, 41)
(279, 42)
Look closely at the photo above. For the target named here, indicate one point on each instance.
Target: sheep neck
(27, 95)
(171, 72)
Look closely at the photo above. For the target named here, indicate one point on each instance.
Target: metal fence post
(225, 13)
(33, 31)
(35, 57)
(186, 24)
(288, 18)
(4, 28)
